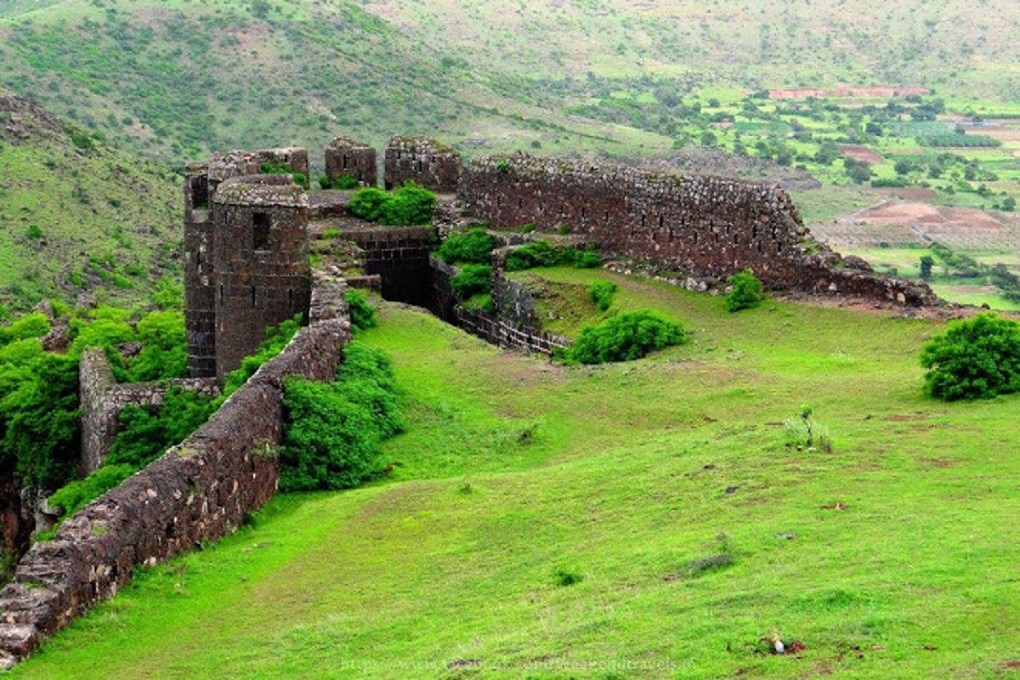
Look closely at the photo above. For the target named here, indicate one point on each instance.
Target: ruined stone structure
(198, 491)
(102, 398)
(294, 158)
(400, 256)
(423, 161)
(345, 156)
(246, 263)
(704, 226)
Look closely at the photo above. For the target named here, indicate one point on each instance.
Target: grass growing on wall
(644, 519)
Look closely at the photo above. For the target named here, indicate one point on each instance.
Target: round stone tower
(260, 269)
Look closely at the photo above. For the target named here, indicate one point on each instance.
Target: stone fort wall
(705, 226)
(198, 491)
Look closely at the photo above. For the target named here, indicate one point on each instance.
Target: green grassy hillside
(180, 78)
(640, 520)
(77, 216)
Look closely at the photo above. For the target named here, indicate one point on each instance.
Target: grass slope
(662, 484)
(178, 79)
(77, 215)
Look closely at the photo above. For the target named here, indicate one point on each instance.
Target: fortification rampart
(198, 491)
(705, 226)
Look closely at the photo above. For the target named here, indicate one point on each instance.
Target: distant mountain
(179, 79)
(78, 218)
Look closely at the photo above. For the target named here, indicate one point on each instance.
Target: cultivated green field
(639, 520)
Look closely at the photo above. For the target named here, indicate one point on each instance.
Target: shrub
(587, 259)
(544, 254)
(746, 292)
(368, 203)
(148, 431)
(624, 337)
(164, 348)
(274, 168)
(474, 246)
(345, 181)
(334, 430)
(80, 493)
(471, 280)
(410, 204)
(977, 358)
(324, 181)
(601, 293)
(362, 313)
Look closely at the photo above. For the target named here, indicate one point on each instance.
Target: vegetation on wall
(333, 431)
(474, 246)
(409, 205)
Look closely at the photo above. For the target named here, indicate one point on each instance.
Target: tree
(927, 261)
(977, 358)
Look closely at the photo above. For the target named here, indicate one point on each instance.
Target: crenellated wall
(705, 226)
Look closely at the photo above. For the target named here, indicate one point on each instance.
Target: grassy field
(640, 520)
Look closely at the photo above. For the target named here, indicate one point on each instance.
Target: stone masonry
(102, 398)
(704, 226)
(198, 491)
(345, 156)
(423, 161)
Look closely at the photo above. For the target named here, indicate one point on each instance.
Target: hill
(179, 79)
(638, 520)
(79, 217)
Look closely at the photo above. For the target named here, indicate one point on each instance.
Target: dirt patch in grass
(936, 462)
(861, 153)
(907, 417)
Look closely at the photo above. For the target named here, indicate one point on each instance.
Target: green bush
(274, 168)
(587, 259)
(333, 432)
(475, 246)
(164, 348)
(601, 293)
(624, 337)
(544, 254)
(746, 292)
(535, 254)
(148, 431)
(471, 280)
(32, 325)
(408, 205)
(324, 181)
(77, 494)
(362, 313)
(345, 181)
(976, 358)
(368, 203)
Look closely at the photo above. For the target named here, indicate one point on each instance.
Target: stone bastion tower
(246, 266)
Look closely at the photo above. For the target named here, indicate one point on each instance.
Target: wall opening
(260, 231)
(200, 192)
(253, 297)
